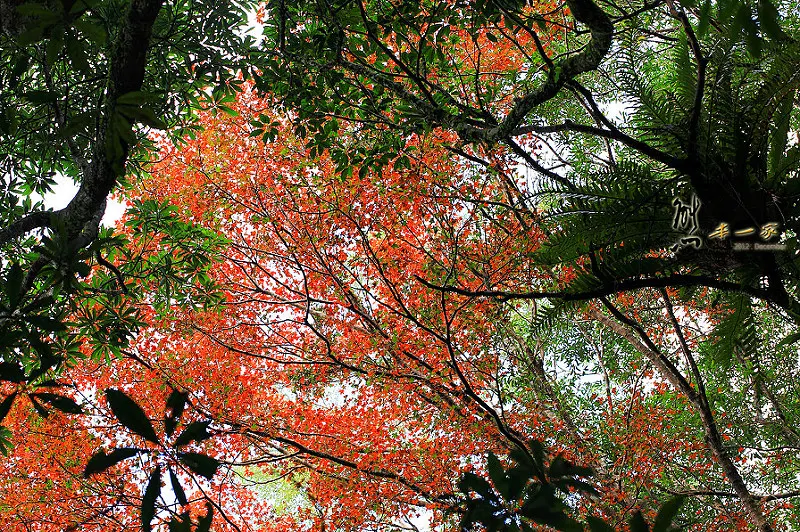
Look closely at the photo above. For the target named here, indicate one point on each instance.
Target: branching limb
(609, 288)
(642, 342)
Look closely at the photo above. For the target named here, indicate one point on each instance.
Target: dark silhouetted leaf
(498, 476)
(667, 514)
(204, 523)
(11, 372)
(638, 524)
(5, 406)
(102, 461)
(60, 402)
(40, 409)
(200, 463)
(46, 323)
(184, 524)
(14, 285)
(151, 493)
(130, 414)
(196, 431)
(472, 482)
(176, 402)
(598, 525)
(177, 488)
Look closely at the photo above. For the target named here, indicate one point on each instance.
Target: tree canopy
(480, 265)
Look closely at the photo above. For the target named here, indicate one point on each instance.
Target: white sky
(65, 190)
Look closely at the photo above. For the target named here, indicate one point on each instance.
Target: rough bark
(127, 70)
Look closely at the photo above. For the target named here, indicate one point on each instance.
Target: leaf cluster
(530, 491)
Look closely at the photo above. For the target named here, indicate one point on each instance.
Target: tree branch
(610, 288)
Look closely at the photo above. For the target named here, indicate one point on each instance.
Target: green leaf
(176, 402)
(5, 406)
(498, 475)
(46, 323)
(95, 33)
(40, 97)
(637, 523)
(54, 46)
(228, 111)
(31, 35)
(32, 9)
(131, 415)
(147, 117)
(11, 372)
(667, 514)
(769, 19)
(151, 493)
(13, 285)
(102, 461)
(77, 55)
(204, 523)
(60, 402)
(5, 441)
(135, 98)
(789, 340)
(196, 431)
(177, 489)
(199, 463)
(704, 18)
(598, 525)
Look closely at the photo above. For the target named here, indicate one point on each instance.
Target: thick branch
(713, 437)
(601, 29)
(32, 221)
(126, 75)
(612, 134)
(608, 289)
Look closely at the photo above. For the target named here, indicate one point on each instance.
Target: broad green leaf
(197, 431)
(94, 32)
(136, 98)
(598, 525)
(5, 441)
(177, 489)
(5, 406)
(789, 339)
(60, 402)
(667, 514)
(769, 19)
(204, 523)
(40, 97)
(131, 415)
(102, 461)
(151, 493)
(176, 402)
(32, 9)
(77, 54)
(199, 463)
